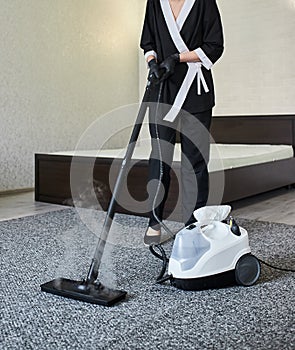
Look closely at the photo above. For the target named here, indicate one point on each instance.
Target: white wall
(256, 74)
(60, 69)
(63, 64)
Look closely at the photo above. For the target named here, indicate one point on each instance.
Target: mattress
(222, 156)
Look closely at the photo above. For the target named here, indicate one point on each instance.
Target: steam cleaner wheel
(247, 270)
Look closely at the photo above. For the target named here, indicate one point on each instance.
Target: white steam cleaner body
(211, 253)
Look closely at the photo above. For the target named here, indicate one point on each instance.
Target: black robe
(200, 28)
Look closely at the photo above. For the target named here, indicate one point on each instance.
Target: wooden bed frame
(52, 172)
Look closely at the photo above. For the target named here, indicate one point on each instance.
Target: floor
(19, 205)
(276, 206)
(153, 316)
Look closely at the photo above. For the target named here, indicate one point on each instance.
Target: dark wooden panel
(239, 183)
(248, 181)
(254, 129)
(55, 178)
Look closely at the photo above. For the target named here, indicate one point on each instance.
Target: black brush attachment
(94, 293)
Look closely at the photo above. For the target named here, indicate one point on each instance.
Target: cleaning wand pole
(90, 290)
(95, 264)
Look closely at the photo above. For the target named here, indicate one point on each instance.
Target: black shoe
(151, 239)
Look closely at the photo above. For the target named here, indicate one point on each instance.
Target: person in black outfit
(181, 40)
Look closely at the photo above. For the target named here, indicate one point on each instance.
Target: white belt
(194, 71)
(201, 79)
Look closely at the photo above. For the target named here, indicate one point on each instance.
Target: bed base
(52, 172)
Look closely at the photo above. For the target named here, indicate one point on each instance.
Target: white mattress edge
(222, 156)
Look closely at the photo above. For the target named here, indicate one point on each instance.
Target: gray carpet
(37, 249)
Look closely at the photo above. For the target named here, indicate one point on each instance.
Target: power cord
(275, 267)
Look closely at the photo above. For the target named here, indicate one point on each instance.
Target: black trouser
(195, 146)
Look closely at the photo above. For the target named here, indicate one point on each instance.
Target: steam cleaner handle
(234, 227)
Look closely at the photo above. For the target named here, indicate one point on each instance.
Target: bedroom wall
(60, 70)
(63, 64)
(256, 74)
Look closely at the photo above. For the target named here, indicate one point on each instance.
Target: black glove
(168, 65)
(154, 73)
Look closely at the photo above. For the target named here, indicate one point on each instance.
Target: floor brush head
(95, 293)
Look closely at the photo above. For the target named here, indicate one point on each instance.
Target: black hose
(164, 259)
(162, 256)
(164, 279)
(157, 255)
(165, 227)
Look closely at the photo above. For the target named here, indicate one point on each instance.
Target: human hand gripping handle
(168, 65)
(154, 73)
